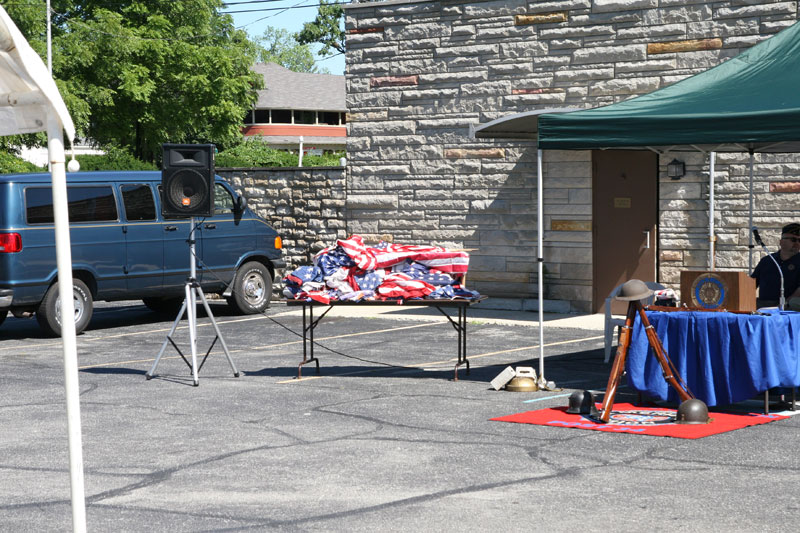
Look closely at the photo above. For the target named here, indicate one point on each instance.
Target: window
(138, 202)
(86, 204)
(329, 117)
(281, 116)
(223, 201)
(305, 117)
(261, 116)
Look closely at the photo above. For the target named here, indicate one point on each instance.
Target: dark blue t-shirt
(769, 281)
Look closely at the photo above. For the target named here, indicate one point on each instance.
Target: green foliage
(256, 153)
(327, 28)
(114, 159)
(11, 164)
(138, 73)
(278, 45)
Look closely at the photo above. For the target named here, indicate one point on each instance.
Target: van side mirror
(241, 203)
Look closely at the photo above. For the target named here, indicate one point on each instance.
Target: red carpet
(656, 421)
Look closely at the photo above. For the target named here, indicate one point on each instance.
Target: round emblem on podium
(709, 291)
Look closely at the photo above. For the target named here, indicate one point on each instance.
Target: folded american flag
(352, 270)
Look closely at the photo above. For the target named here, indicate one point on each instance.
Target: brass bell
(522, 384)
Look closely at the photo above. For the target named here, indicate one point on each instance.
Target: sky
(287, 14)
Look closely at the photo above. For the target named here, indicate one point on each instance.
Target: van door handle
(211, 226)
(170, 228)
(647, 244)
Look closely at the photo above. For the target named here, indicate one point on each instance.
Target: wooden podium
(734, 291)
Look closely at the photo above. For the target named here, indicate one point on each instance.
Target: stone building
(421, 75)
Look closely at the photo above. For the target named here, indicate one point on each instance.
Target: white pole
(540, 260)
(750, 225)
(55, 146)
(712, 239)
(300, 160)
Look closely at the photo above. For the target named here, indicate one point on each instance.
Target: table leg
(461, 327)
(308, 339)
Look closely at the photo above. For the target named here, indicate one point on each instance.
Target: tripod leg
(192, 306)
(618, 367)
(216, 329)
(150, 374)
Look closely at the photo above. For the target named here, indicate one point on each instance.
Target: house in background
(299, 104)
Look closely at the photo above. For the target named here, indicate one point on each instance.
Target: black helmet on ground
(692, 411)
(582, 402)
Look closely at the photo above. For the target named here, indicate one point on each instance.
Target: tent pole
(540, 259)
(712, 239)
(55, 149)
(750, 225)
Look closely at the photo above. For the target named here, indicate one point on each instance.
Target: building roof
(286, 89)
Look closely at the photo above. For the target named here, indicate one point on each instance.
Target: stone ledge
(394, 81)
(692, 45)
(541, 18)
(464, 153)
(357, 31)
(785, 186)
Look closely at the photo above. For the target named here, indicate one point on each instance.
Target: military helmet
(633, 290)
(582, 402)
(692, 411)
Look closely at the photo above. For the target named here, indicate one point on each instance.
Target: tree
(278, 45)
(138, 73)
(327, 29)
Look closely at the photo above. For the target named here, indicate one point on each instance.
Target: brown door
(625, 207)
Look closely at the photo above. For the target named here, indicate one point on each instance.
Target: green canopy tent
(747, 104)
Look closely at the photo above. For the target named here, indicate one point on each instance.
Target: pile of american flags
(350, 270)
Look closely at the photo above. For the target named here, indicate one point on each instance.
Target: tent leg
(540, 260)
(55, 146)
(750, 225)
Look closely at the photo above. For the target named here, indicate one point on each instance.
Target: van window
(223, 201)
(86, 204)
(138, 202)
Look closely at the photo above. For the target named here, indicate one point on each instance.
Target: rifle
(618, 367)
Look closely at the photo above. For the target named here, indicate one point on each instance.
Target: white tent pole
(712, 239)
(540, 258)
(750, 225)
(55, 146)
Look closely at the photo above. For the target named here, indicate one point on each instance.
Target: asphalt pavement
(383, 439)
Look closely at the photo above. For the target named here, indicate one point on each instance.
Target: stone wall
(420, 73)
(305, 206)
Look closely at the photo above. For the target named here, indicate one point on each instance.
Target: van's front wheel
(48, 314)
(252, 289)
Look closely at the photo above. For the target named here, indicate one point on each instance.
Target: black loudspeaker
(187, 180)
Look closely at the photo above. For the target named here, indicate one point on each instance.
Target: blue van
(123, 248)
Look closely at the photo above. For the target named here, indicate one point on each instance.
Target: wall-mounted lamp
(676, 169)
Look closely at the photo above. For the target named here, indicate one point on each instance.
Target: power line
(269, 9)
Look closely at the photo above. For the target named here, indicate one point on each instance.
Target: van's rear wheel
(48, 314)
(3, 314)
(252, 289)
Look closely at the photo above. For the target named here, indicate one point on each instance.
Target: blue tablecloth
(724, 358)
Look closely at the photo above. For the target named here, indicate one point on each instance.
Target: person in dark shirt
(768, 280)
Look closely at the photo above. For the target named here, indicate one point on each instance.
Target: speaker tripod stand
(192, 292)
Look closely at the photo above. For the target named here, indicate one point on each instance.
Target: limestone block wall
(420, 73)
(304, 205)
